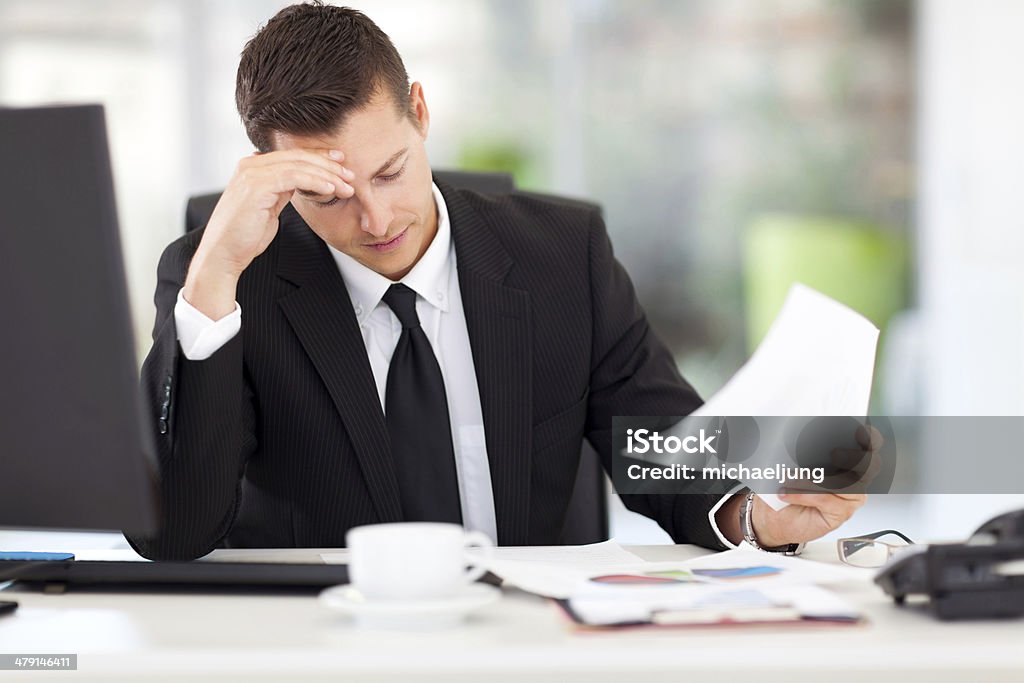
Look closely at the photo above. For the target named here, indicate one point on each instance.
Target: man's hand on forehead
(245, 220)
(315, 173)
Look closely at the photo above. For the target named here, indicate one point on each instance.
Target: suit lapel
(500, 335)
(320, 314)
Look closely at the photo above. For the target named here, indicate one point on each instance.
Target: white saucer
(418, 615)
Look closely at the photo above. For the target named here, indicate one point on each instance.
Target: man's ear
(418, 106)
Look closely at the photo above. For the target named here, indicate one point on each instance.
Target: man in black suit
(348, 342)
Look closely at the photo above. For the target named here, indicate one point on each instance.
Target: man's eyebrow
(393, 159)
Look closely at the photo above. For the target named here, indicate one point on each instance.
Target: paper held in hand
(817, 358)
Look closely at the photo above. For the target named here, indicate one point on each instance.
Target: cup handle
(480, 562)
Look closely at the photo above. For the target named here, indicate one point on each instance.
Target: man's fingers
(805, 486)
(329, 160)
(834, 509)
(844, 482)
(310, 179)
(810, 516)
(849, 458)
(861, 465)
(340, 182)
(857, 468)
(332, 172)
(824, 500)
(869, 438)
(289, 181)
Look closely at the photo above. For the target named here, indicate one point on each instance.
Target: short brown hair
(310, 66)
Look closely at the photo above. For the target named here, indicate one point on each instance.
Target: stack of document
(741, 586)
(604, 585)
(690, 601)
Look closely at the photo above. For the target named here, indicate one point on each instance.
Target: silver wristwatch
(747, 526)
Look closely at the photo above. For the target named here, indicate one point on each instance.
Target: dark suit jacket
(278, 439)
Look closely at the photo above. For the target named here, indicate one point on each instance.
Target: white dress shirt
(435, 280)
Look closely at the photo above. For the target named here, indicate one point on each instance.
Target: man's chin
(393, 266)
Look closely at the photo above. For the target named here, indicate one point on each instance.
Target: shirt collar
(429, 277)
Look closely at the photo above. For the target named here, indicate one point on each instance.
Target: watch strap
(750, 535)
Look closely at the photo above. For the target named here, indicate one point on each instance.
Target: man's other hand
(812, 515)
(807, 517)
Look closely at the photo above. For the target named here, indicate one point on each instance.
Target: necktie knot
(402, 302)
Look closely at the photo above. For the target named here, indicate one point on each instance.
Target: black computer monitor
(74, 453)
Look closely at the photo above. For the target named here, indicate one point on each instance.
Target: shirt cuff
(199, 336)
(711, 516)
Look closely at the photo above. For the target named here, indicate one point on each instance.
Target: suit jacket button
(163, 425)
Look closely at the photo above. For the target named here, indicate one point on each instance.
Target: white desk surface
(157, 637)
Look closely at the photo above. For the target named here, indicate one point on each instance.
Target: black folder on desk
(136, 575)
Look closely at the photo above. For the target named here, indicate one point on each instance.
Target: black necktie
(416, 412)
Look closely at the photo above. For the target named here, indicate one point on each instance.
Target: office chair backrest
(587, 518)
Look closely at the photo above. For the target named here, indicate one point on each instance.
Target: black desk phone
(979, 579)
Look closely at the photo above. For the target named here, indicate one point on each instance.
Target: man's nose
(374, 218)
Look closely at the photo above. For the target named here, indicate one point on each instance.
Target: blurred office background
(871, 148)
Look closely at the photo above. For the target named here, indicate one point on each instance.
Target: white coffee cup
(415, 560)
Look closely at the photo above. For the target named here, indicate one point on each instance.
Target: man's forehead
(366, 148)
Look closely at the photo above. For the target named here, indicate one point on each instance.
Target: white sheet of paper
(554, 571)
(817, 358)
